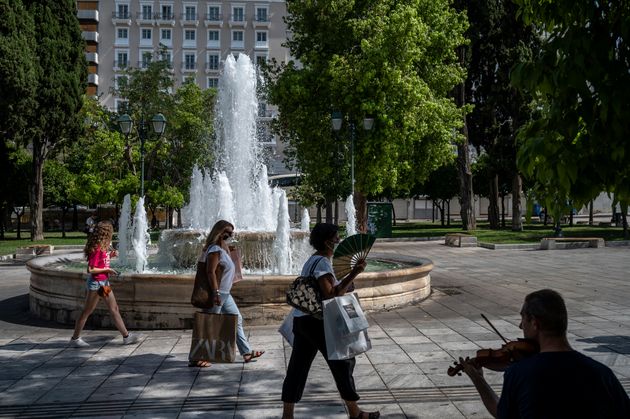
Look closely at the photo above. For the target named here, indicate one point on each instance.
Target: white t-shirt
(322, 266)
(227, 279)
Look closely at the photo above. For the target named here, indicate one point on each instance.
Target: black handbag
(305, 295)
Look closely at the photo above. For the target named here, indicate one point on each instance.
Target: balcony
(261, 44)
(237, 44)
(189, 19)
(88, 15)
(120, 65)
(189, 67)
(262, 21)
(91, 57)
(89, 36)
(121, 18)
(165, 19)
(238, 21)
(212, 67)
(213, 20)
(213, 44)
(93, 79)
(144, 18)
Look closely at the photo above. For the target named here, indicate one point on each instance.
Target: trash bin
(379, 219)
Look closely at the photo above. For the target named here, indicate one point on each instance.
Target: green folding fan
(351, 250)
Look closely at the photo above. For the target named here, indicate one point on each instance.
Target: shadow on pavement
(15, 310)
(618, 343)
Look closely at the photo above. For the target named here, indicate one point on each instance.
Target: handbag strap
(315, 265)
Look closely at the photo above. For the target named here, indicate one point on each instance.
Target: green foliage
(187, 140)
(18, 74)
(578, 145)
(391, 60)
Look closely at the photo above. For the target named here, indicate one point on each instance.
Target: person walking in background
(98, 254)
(309, 331)
(216, 254)
(558, 382)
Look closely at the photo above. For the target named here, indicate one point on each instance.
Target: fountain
(351, 214)
(237, 190)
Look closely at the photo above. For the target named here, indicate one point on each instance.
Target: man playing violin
(557, 382)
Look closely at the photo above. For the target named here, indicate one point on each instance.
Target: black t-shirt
(558, 385)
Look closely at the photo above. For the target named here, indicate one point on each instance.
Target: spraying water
(124, 228)
(281, 245)
(351, 214)
(306, 220)
(141, 238)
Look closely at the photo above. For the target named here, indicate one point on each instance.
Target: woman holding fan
(309, 331)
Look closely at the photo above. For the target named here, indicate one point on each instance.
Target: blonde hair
(215, 234)
(100, 238)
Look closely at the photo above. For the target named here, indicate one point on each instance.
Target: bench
(29, 252)
(550, 243)
(460, 240)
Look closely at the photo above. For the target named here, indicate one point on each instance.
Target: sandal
(370, 415)
(252, 355)
(199, 364)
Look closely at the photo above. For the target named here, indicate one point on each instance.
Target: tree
(498, 41)
(578, 145)
(18, 74)
(15, 192)
(441, 187)
(59, 184)
(392, 60)
(61, 81)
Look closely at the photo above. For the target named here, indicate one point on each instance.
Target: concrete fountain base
(162, 301)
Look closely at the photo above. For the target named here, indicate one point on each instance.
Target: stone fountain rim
(419, 265)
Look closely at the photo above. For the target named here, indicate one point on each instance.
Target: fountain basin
(162, 301)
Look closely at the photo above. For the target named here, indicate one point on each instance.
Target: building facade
(195, 37)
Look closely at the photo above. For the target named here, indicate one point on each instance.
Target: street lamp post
(158, 123)
(337, 121)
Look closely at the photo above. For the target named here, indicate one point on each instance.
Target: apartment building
(194, 36)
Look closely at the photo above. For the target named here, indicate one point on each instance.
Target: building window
(213, 61)
(147, 57)
(261, 39)
(189, 35)
(214, 13)
(147, 12)
(238, 14)
(145, 34)
(213, 36)
(122, 36)
(166, 35)
(237, 36)
(213, 82)
(121, 105)
(261, 59)
(190, 13)
(189, 61)
(122, 11)
(261, 14)
(168, 57)
(122, 59)
(167, 12)
(120, 79)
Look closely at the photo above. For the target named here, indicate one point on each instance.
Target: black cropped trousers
(308, 339)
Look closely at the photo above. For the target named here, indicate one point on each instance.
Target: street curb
(509, 246)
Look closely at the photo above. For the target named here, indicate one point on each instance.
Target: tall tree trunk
(624, 219)
(360, 203)
(64, 211)
(448, 213)
(329, 212)
(590, 213)
(336, 212)
(517, 184)
(75, 217)
(493, 204)
(37, 195)
(319, 213)
(503, 211)
(466, 196)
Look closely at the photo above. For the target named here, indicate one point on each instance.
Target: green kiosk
(380, 218)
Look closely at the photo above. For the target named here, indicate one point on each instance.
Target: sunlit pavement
(404, 375)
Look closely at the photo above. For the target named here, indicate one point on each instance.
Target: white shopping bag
(286, 328)
(340, 344)
(351, 314)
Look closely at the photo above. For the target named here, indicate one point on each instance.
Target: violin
(500, 359)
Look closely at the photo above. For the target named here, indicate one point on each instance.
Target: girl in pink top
(98, 256)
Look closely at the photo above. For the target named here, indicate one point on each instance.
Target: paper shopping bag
(235, 255)
(339, 343)
(213, 337)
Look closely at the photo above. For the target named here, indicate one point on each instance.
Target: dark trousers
(309, 338)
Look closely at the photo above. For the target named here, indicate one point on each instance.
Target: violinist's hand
(470, 368)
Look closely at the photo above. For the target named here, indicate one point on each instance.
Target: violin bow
(494, 328)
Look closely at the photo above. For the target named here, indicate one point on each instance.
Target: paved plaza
(404, 375)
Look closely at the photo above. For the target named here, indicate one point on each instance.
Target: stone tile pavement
(404, 375)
